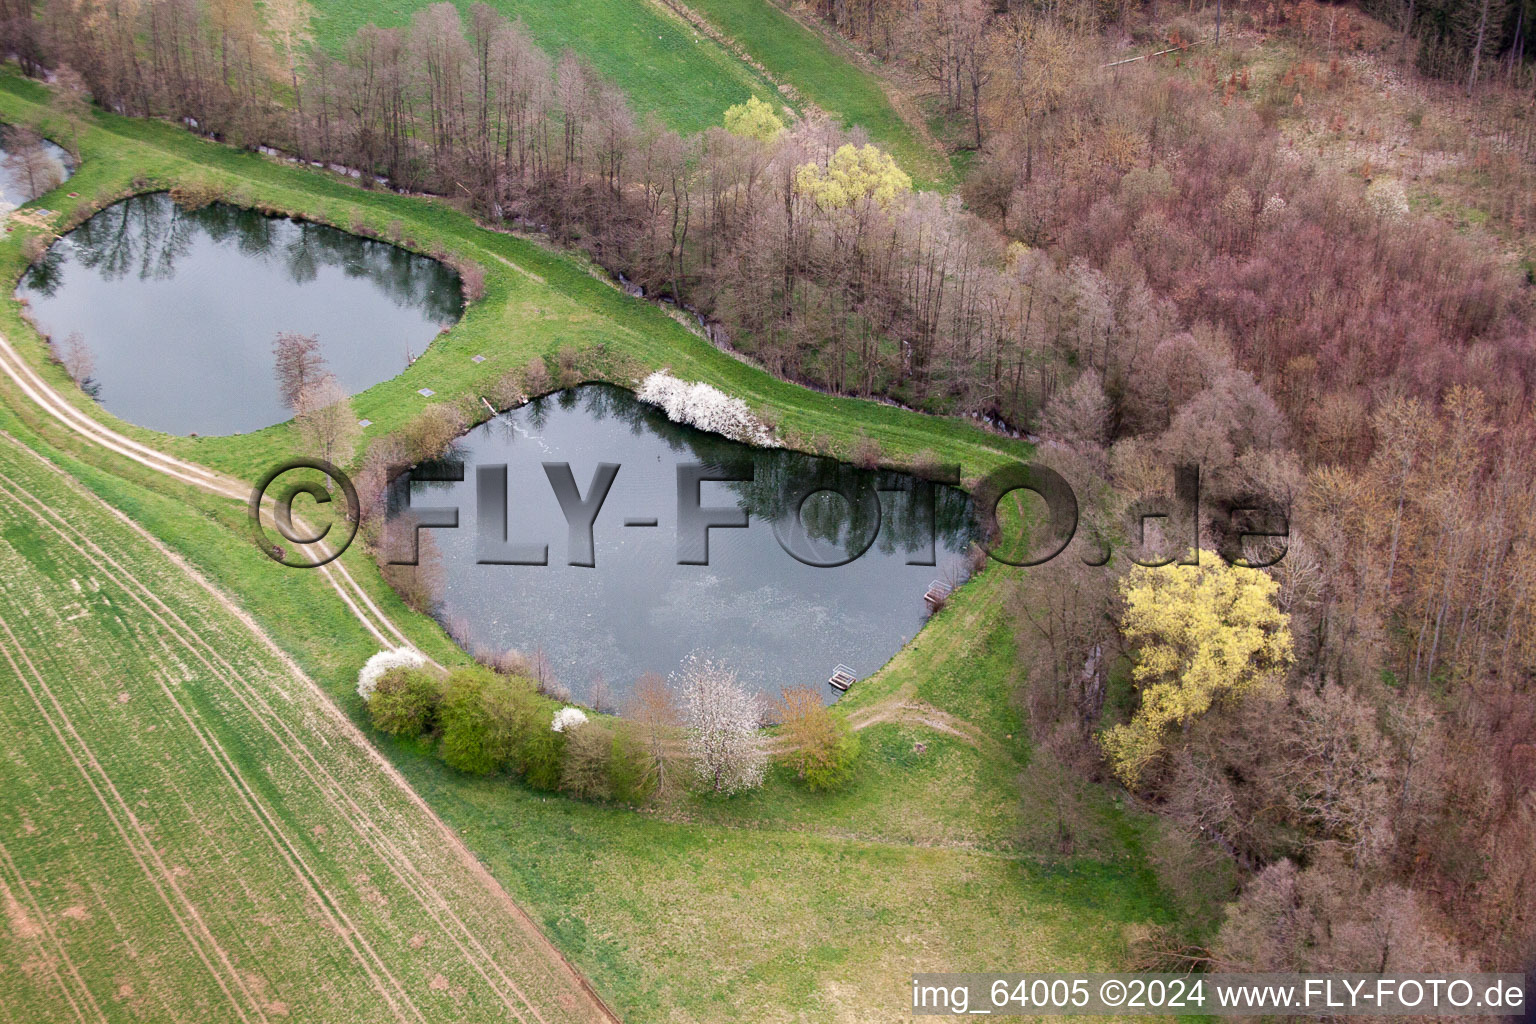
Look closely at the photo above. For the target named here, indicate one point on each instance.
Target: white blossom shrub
(723, 740)
(568, 718)
(1274, 209)
(708, 408)
(374, 668)
(1387, 198)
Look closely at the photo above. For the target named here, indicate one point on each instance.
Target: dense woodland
(1468, 41)
(1137, 269)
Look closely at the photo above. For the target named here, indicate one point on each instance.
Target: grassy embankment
(773, 906)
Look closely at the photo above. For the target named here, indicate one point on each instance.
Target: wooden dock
(842, 678)
(937, 594)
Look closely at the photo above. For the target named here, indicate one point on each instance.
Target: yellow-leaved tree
(753, 119)
(853, 173)
(1202, 633)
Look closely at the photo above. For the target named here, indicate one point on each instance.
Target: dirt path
(900, 707)
(903, 709)
(46, 397)
(400, 864)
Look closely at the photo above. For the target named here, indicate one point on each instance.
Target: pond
(179, 308)
(30, 169)
(773, 619)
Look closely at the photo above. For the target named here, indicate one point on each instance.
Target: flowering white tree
(374, 668)
(568, 718)
(708, 408)
(723, 740)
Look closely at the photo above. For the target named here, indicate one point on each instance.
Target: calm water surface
(15, 188)
(180, 308)
(775, 621)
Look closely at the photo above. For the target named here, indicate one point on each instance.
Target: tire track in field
(8, 868)
(345, 726)
(357, 944)
(366, 956)
(329, 788)
(407, 874)
(192, 926)
(50, 401)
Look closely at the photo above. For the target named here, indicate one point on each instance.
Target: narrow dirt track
(50, 401)
(379, 625)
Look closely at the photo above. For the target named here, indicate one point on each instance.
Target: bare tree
(327, 424)
(602, 694)
(70, 102)
(78, 361)
(29, 163)
(420, 585)
(723, 722)
(299, 365)
(289, 21)
(653, 707)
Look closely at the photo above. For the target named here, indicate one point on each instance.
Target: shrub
(536, 379)
(471, 280)
(866, 453)
(539, 757)
(194, 195)
(632, 777)
(570, 371)
(510, 662)
(823, 748)
(507, 392)
(484, 717)
(927, 464)
(432, 430)
(420, 585)
(34, 247)
(514, 708)
(568, 719)
(466, 744)
(405, 702)
(706, 407)
(374, 668)
(835, 768)
(584, 768)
